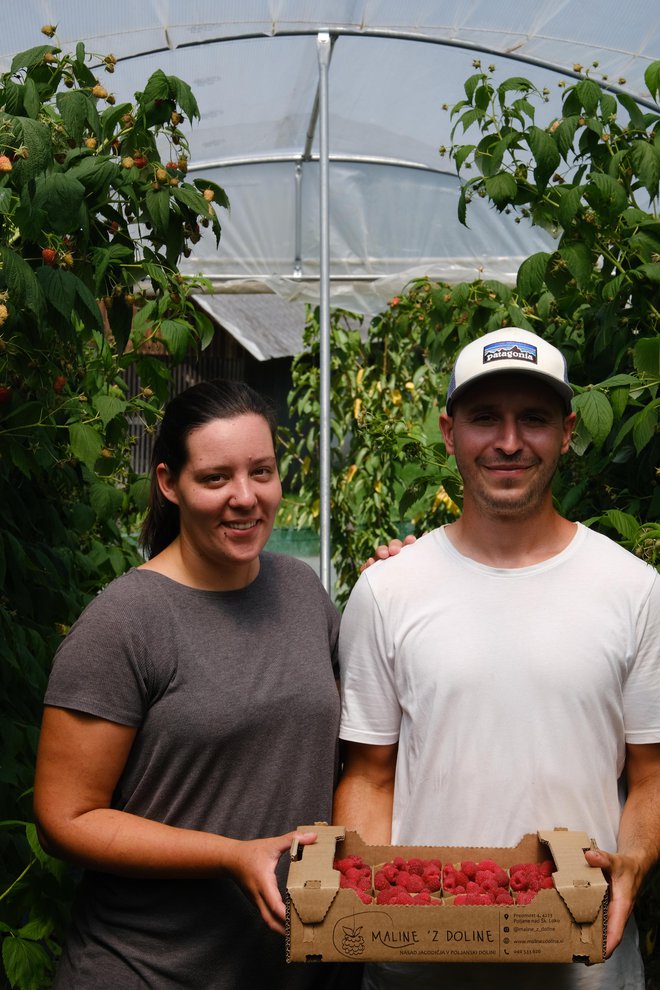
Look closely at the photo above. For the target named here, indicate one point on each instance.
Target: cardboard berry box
(328, 922)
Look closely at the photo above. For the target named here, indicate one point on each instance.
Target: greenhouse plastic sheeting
(253, 68)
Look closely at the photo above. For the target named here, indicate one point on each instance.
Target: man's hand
(382, 552)
(624, 877)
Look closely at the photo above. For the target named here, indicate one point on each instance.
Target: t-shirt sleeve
(371, 712)
(101, 667)
(642, 689)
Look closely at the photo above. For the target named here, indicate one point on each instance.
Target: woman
(191, 712)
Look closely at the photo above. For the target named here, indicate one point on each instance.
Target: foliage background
(95, 211)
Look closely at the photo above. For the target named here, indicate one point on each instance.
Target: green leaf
(73, 107)
(462, 206)
(646, 425)
(606, 194)
(646, 356)
(31, 58)
(634, 112)
(21, 282)
(651, 270)
(33, 842)
(488, 155)
(86, 443)
(531, 274)
(596, 414)
(471, 84)
(617, 284)
(59, 287)
(460, 153)
(516, 84)
(31, 99)
(546, 154)
(26, 963)
(652, 79)
(588, 93)
(176, 334)
(501, 188)
(570, 198)
(6, 198)
(157, 203)
(623, 522)
(113, 254)
(35, 136)
(60, 196)
(108, 406)
(564, 134)
(86, 306)
(184, 97)
(415, 491)
(95, 173)
(106, 500)
(579, 262)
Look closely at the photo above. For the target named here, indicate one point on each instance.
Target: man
(501, 674)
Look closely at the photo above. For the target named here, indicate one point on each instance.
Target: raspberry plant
(592, 177)
(95, 211)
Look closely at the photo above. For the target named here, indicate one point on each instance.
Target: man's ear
(569, 426)
(166, 483)
(447, 428)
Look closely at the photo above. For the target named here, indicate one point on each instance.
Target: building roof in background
(253, 68)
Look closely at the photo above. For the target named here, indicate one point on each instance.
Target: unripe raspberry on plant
(49, 30)
(127, 162)
(99, 91)
(5, 164)
(90, 143)
(208, 195)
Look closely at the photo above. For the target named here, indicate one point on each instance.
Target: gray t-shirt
(233, 695)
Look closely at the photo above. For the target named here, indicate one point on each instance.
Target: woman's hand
(253, 867)
(383, 551)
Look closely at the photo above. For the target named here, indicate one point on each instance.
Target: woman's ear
(167, 483)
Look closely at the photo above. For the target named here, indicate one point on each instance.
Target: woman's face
(228, 492)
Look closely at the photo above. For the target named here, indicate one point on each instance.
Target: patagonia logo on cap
(510, 350)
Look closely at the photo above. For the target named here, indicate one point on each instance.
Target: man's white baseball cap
(509, 349)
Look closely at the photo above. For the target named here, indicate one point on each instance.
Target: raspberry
(469, 869)
(415, 883)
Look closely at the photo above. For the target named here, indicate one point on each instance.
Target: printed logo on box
(506, 350)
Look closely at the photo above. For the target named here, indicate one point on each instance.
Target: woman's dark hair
(198, 405)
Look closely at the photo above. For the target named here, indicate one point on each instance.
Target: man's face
(507, 435)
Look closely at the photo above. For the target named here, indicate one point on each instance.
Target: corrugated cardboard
(326, 923)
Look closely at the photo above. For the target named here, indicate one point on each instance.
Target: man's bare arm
(365, 794)
(639, 838)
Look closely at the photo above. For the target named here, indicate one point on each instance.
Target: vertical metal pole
(323, 48)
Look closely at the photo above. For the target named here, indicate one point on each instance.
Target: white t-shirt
(511, 691)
